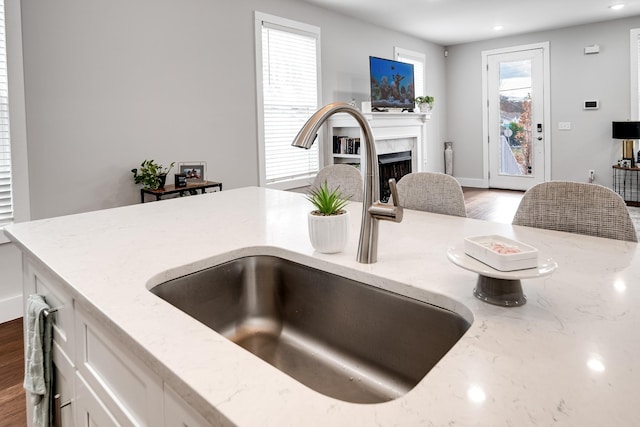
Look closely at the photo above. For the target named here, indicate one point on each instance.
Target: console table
(191, 188)
(626, 182)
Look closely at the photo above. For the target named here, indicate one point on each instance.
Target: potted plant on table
(151, 175)
(425, 103)
(329, 221)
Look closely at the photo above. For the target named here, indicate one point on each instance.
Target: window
(635, 73)
(418, 60)
(6, 199)
(14, 176)
(287, 58)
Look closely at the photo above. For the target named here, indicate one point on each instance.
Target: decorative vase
(425, 108)
(329, 233)
(162, 179)
(448, 158)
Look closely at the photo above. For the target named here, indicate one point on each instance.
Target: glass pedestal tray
(502, 288)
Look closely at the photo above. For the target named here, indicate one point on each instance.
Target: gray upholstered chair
(431, 192)
(576, 207)
(347, 177)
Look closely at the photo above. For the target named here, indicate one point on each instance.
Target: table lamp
(627, 131)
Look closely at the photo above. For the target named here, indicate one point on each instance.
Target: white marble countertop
(569, 356)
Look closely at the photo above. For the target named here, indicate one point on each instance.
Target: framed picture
(194, 171)
(180, 180)
(625, 163)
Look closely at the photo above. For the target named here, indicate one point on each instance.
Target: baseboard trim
(10, 308)
(472, 182)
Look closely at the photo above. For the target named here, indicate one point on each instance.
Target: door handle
(539, 138)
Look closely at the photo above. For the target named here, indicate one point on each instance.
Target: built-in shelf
(346, 156)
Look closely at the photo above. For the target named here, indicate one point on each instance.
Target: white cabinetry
(90, 411)
(39, 281)
(99, 381)
(125, 386)
(177, 413)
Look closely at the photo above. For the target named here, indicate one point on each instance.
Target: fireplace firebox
(392, 165)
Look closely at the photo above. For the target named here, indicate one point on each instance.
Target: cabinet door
(177, 413)
(128, 389)
(40, 282)
(63, 372)
(90, 411)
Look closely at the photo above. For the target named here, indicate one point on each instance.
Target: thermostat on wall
(592, 105)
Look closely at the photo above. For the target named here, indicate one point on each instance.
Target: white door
(515, 119)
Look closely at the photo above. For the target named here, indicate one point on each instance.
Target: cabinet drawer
(90, 411)
(39, 282)
(177, 413)
(128, 389)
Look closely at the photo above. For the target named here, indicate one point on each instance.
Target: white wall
(10, 283)
(10, 261)
(109, 84)
(350, 75)
(575, 77)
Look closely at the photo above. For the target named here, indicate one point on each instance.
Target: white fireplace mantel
(392, 131)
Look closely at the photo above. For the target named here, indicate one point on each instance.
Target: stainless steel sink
(340, 337)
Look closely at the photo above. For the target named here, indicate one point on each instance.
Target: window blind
(6, 205)
(290, 97)
(637, 76)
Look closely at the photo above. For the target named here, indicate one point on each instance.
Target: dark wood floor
(489, 205)
(12, 395)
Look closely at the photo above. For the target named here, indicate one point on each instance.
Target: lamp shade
(625, 130)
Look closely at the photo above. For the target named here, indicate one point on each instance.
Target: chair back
(432, 192)
(347, 177)
(576, 207)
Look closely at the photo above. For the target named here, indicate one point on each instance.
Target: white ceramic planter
(328, 234)
(424, 108)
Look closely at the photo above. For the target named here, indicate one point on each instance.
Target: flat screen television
(391, 84)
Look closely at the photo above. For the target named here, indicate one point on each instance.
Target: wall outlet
(564, 125)
(592, 175)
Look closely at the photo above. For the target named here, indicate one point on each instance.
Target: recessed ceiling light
(596, 365)
(617, 6)
(498, 27)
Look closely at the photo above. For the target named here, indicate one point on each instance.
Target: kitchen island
(569, 356)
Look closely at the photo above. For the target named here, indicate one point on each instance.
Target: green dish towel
(38, 368)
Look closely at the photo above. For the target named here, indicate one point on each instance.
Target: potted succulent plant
(151, 175)
(425, 103)
(329, 221)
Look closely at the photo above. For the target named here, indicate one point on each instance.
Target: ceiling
(450, 22)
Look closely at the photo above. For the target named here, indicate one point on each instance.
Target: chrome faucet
(372, 210)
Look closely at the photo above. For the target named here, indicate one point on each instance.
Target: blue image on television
(391, 84)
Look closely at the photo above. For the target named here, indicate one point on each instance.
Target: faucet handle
(394, 191)
(383, 211)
